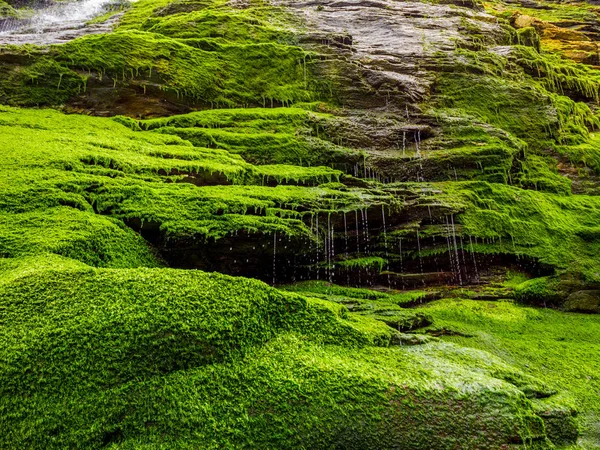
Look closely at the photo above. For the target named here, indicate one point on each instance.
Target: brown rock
(584, 301)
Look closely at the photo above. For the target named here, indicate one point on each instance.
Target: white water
(57, 23)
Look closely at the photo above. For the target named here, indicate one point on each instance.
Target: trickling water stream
(58, 23)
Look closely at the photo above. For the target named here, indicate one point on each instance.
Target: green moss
(524, 93)
(217, 56)
(552, 228)
(539, 291)
(371, 262)
(6, 10)
(79, 235)
(101, 347)
(550, 12)
(322, 287)
(261, 136)
(586, 153)
(104, 167)
(559, 349)
(153, 357)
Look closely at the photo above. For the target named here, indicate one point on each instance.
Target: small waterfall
(57, 23)
(418, 143)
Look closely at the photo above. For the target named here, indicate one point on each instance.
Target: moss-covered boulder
(153, 357)
(583, 301)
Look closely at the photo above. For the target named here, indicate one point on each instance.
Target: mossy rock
(153, 357)
(568, 292)
(583, 301)
(6, 10)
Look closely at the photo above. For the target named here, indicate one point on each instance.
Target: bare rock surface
(382, 52)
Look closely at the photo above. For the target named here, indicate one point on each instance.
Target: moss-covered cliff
(417, 181)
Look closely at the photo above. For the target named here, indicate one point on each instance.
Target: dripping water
(317, 250)
(401, 264)
(385, 244)
(456, 250)
(474, 259)
(420, 258)
(452, 266)
(274, 258)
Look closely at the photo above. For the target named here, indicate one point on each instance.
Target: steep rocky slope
(406, 175)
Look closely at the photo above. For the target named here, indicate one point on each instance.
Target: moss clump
(540, 291)
(154, 357)
(6, 11)
(95, 240)
(557, 348)
(557, 230)
(207, 54)
(261, 136)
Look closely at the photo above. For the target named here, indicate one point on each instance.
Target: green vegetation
(261, 136)
(216, 56)
(551, 12)
(556, 229)
(155, 356)
(6, 10)
(226, 153)
(104, 167)
(557, 348)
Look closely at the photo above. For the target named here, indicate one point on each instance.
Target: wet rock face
(380, 53)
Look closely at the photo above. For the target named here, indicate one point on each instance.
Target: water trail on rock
(357, 233)
(452, 265)
(401, 265)
(345, 233)
(474, 259)
(404, 143)
(456, 250)
(385, 244)
(317, 252)
(347, 249)
(420, 258)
